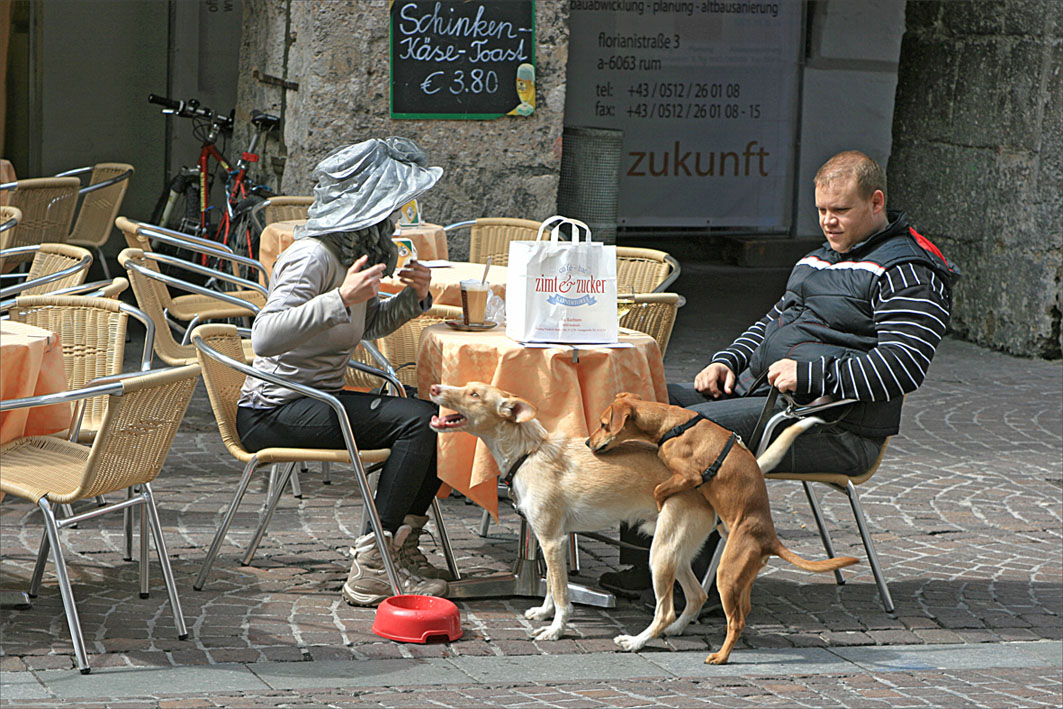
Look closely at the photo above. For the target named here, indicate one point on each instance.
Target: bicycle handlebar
(190, 109)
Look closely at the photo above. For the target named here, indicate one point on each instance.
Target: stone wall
(339, 56)
(978, 161)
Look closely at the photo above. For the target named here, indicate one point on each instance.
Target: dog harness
(508, 480)
(710, 472)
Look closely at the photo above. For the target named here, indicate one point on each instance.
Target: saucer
(471, 327)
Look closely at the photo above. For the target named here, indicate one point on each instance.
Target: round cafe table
(570, 386)
(31, 364)
(430, 240)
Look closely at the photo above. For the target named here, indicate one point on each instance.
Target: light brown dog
(562, 487)
(736, 492)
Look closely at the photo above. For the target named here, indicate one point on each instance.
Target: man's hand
(783, 375)
(416, 276)
(359, 286)
(715, 380)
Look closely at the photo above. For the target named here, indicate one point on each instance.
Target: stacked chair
(101, 199)
(54, 267)
(47, 205)
(281, 208)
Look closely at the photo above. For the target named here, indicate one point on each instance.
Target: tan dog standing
(562, 487)
(736, 491)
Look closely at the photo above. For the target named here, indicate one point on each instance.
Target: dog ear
(515, 409)
(619, 411)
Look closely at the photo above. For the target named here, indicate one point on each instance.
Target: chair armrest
(385, 372)
(213, 249)
(459, 225)
(106, 183)
(81, 265)
(793, 411)
(77, 171)
(673, 275)
(178, 238)
(203, 271)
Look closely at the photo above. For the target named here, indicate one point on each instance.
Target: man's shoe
(713, 606)
(627, 583)
(410, 556)
(367, 583)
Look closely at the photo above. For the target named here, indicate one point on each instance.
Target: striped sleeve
(736, 355)
(910, 312)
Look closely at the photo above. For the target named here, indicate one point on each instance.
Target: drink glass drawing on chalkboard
(410, 214)
(525, 91)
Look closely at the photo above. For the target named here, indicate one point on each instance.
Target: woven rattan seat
(142, 416)
(653, 314)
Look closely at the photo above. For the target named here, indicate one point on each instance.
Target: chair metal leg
(444, 541)
(573, 553)
(297, 489)
(127, 525)
(869, 546)
(326, 473)
(52, 529)
(103, 263)
(817, 512)
(219, 536)
(164, 561)
(289, 470)
(485, 523)
(101, 501)
(38, 569)
(144, 573)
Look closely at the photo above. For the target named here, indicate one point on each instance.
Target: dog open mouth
(449, 422)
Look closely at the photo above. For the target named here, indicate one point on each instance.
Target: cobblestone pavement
(966, 513)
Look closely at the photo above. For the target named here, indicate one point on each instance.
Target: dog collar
(508, 480)
(681, 428)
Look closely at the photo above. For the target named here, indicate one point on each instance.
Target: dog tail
(837, 562)
(773, 456)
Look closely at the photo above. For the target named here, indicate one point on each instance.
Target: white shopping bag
(561, 291)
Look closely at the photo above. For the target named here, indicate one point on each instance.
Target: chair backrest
(653, 314)
(400, 346)
(490, 236)
(153, 298)
(100, 205)
(9, 219)
(284, 207)
(47, 205)
(136, 433)
(644, 270)
(53, 258)
(223, 383)
(92, 331)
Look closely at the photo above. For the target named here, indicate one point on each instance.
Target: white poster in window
(706, 95)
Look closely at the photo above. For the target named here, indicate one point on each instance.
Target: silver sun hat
(362, 184)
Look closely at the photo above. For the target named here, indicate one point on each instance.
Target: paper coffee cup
(473, 301)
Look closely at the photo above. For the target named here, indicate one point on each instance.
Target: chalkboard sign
(472, 59)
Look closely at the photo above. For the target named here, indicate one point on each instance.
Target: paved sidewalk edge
(130, 683)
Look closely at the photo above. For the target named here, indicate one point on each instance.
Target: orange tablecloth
(31, 364)
(446, 288)
(569, 396)
(430, 240)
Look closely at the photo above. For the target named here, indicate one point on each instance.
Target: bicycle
(185, 203)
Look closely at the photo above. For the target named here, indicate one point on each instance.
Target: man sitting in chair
(860, 319)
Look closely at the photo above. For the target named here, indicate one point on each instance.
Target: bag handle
(559, 219)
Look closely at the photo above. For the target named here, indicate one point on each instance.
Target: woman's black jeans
(408, 479)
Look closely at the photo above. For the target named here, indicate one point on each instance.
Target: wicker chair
(490, 236)
(653, 314)
(644, 270)
(143, 415)
(225, 367)
(149, 288)
(100, 201)
(400, 347)
(93, 334)
(195, 306)
(54, 267)
(47, 205)
(9, 219)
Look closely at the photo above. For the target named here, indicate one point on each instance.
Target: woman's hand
(416, 276)
(359, 286)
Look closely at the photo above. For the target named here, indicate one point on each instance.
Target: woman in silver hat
(322, 302)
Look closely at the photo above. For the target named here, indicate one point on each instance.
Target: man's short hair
(868, 174)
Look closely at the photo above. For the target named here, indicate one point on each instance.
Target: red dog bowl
(415, 619)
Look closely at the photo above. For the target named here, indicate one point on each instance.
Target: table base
(17, 600)
(526, 579)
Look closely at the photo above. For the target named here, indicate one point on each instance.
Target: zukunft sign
(706, 95)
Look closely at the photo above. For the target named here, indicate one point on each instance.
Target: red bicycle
(185, 203)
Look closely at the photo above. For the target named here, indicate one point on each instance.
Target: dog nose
(434, 389)
(588, 442)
